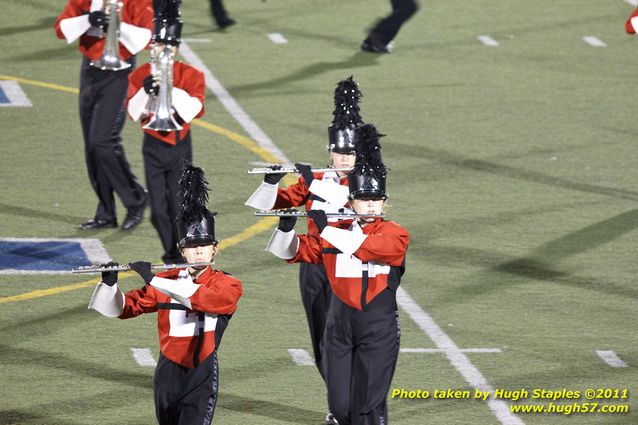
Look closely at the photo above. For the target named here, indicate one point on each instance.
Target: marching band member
(102, 94)
(164, 152)
(323, 191)
(364, 260)
(194, 306)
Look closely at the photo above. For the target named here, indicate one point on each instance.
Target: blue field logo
(49, 256)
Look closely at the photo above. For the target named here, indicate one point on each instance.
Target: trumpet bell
(162, 122)
(110, 62)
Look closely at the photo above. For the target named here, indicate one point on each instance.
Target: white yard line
(487, 40)
(144, 357)
(95, 251)
(611, 358)
(456, 357)
(277, 38)
(634, 3)
(594, 41)
(231, 105)
(301, 357)
(14, 93)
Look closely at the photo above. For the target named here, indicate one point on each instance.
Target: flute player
(193, 305)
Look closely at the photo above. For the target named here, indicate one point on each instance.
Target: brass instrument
(152, 100)
(126, 267)
(286, 170)
(291, 212)
(110, 59)
(163, 118)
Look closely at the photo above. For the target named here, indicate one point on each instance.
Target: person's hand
(98, 19)
(143, 268)
(320, 219)
(274, 178)
(150, 86)
(306, 172)
(286, 224)
(109, 277)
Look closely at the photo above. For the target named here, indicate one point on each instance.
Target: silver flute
(286, 170)
(126, 267)
(291, 212)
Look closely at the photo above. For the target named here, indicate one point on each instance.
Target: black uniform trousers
(102, 114)
(185, 396)
(219, 13)
(163, 165)
(315, 296)
(387, 28)
(360, 353)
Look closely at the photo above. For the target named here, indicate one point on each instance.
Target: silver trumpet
(126, 267)
(163, 118)
(291, 212)
(152, 100)
(110, 60)
(286, 170)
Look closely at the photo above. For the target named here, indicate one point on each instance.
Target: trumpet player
(165, 147)
(319, 191)
(110, 33)
(364, 260)
(193, 305)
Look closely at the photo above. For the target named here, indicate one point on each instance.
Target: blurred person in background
(380, 37)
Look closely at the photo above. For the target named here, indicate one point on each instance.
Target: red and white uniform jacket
(186, 308)
(188, 93)
(359, 262)
(135, 30)
(327, 192)
(632, 24)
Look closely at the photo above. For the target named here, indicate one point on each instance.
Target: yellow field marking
(44, 292)
(40, 84)
(239, 139)
(259, 227)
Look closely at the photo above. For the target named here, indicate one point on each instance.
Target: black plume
(346, 112)
(368, 150)
(193, 194)
(166, 9)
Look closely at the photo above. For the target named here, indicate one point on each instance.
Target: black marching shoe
(134, 216)
(94, 224)
(226, 23)
(372, 45)
(330, 419)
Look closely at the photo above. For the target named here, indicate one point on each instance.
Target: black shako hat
(367, 179)
(167, 23)
(195, 224)
(346, 118)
